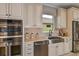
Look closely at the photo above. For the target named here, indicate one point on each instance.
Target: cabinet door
(61, 18)
(28, 49)
(38, 14)
(66, 46)
(3, 10)
(70, 44)
(60, 49)
(31, 14)
(15, 11)
(75, 14)
(52, 50)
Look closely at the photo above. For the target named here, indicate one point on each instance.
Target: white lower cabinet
(67, 45)
(56, 49)
(51, 50)
(29, 49)
(60, 48)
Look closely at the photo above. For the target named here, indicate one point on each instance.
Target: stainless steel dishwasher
(41, 48)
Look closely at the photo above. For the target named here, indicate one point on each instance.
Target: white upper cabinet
(61, 20)
(33, 13)
(15, 11)
(11, 11)
(75, 13)
(3, 10)
(38, 13)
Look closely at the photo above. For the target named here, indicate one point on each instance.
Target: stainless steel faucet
(50, 32)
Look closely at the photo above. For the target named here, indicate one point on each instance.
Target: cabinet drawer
(29, 54)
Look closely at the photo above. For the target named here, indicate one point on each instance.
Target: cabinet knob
(6, 14)
(9, 14)
(56, 46)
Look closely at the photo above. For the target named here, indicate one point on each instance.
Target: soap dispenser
(26, 36)
(32, 36)
(37, 36)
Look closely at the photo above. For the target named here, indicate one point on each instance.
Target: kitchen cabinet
(60, 49)
(75, 13)
(11, 11)
(61, 19)
(28, 49)
(32, 15)
(70, 44)
(56, 49)
(15, 11)
(52, 50)
(3, 10)
(66, 45)
(38, 15)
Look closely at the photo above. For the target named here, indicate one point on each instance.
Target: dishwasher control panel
(41, 42)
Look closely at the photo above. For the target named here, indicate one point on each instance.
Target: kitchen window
(48, 23)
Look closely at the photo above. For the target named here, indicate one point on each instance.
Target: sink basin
(56, 39)
(53, 37)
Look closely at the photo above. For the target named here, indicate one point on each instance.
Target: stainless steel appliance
(10, 37)
(41, 48)
(75, 36)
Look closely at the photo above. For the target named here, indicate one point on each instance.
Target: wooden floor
(72, 54)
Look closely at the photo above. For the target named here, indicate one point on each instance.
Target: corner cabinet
(32, 15)
(61, 18)
(11, 11)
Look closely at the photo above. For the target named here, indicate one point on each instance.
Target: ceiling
(64, 5)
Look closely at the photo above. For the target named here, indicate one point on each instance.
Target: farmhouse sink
(56, 39)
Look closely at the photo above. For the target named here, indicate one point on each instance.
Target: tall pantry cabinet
(11, 11)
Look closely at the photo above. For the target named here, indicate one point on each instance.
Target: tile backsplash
(32, 33)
